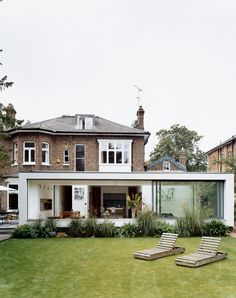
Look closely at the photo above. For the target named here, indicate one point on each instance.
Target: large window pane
(206, 196)
(126, 157)
(32, 155)
(118, 157)
(79, 151)
(80, 165)
(104, 157)
(26, 156)
(80, 158)
(13, 201)
(111, 157)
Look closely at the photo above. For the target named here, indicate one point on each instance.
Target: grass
(95, 267)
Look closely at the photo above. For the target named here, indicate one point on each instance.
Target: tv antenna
(139, 90)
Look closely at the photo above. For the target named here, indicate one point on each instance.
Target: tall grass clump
(90, 226)
(75, 228)
(146, 222)
(191, 224)
(106, 229)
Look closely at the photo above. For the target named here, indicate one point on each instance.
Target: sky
(74, 57)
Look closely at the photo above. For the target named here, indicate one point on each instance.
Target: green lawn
(95, 267)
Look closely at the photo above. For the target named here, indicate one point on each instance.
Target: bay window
(115, 154)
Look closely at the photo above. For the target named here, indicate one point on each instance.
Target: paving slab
(5, 236)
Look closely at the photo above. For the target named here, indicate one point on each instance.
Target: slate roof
(167, 158)
(67, 124)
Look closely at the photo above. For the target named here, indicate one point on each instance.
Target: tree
(3, 81)
(7, 120)
(229, 163)
(179, 138)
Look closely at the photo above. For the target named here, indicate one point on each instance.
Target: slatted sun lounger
(166, 247)
(206, 253)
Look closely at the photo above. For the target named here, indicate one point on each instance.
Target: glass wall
(172, 197)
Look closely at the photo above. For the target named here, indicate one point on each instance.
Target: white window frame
(126, 148)
(166, 166)
(46, 150)
(15, 154)
(66, 163)
(29, 149)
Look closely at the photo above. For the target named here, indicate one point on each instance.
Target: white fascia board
(126, 176)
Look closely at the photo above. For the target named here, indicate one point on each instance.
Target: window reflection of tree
(168, 195)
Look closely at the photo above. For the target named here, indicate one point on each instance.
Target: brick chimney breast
(140, 118)
(183, 157)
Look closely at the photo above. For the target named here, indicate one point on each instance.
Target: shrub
(146, 222)
(90, 226)
(215, 228)
(106, 229)
(128, 230)
(161, 227)
(24, 231)
(50, 227)
(38, 229)
(191, 224)
(75, 228)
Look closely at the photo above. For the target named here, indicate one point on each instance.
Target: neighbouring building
(168, 164)
(84, 165)
(226, 149)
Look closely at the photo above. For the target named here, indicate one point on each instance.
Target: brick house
(84, 165)
(167, 164)
(226, 149)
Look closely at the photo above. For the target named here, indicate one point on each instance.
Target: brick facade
(57, 145)
(225, 150)
(159, 167)
(64, 133)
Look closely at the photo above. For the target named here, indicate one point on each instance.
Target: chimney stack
(140, 118)
(183, 157)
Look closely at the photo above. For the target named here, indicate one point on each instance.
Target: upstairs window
(66, 156)
(15, 154)
(45, 153)
(115, 152)
(79, 158)
(166, 166)
(29, 152)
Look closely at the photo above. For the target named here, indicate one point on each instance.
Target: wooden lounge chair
(165, 247)
(206, 253)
